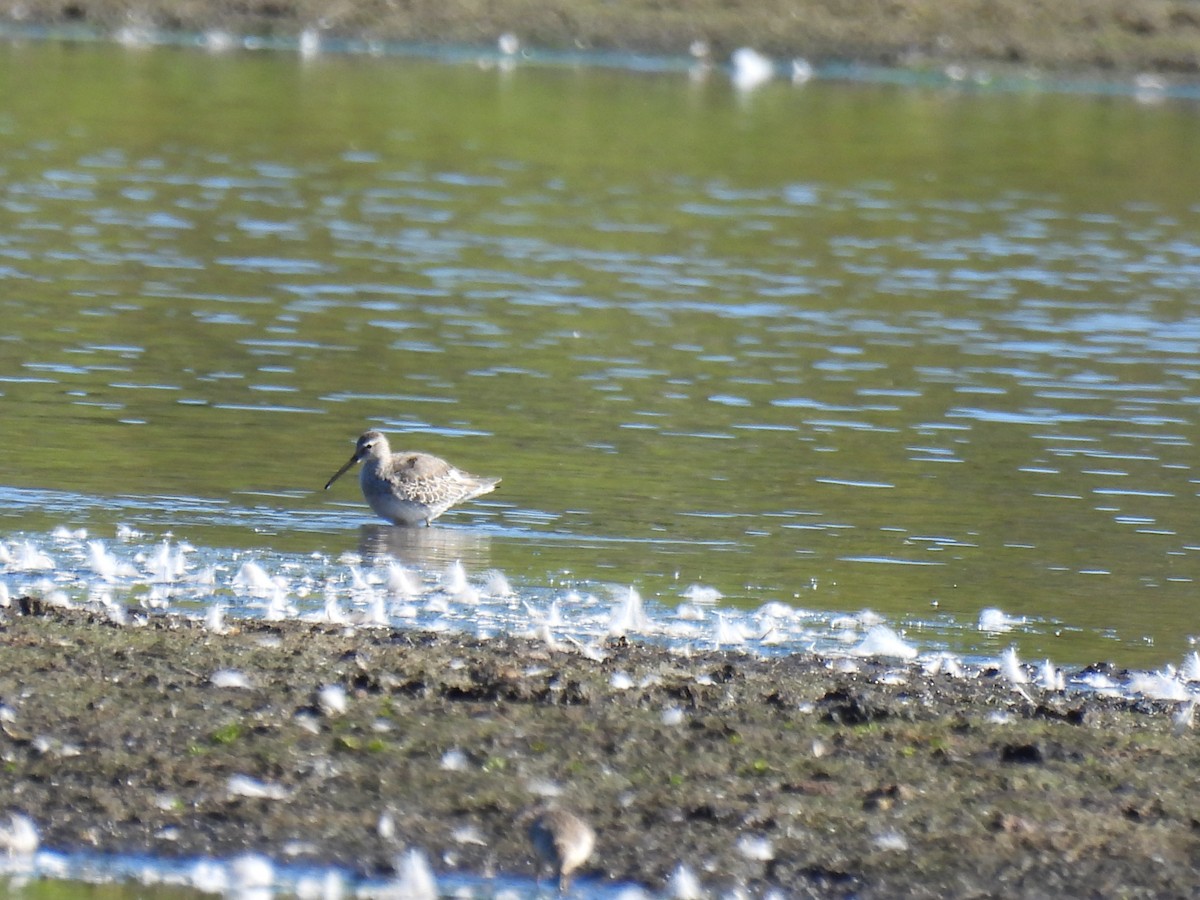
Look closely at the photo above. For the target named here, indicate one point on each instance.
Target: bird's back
(411, 487)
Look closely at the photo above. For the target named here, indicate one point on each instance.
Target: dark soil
(115, 739)
(1121, 36)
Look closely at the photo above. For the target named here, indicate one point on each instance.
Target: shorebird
(408, 488)
(561, 839)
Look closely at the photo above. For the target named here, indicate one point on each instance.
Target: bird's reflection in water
(424, 548)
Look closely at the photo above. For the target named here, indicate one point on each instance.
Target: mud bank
(788, 773)
(1119, 36)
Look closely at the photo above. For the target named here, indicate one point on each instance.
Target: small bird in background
(562, 841)
(408, 488)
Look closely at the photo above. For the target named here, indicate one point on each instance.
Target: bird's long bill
(342, 471)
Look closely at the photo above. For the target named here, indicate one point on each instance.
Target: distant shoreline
(1111, 38)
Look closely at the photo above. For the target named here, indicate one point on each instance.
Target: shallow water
(49, 875)
(841, 346)
(766, 358)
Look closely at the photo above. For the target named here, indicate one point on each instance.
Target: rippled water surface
(840, 346)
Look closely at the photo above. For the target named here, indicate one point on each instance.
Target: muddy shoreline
(1108, 36)
(791, 773)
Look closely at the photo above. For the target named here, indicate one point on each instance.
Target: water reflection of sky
(917, 385)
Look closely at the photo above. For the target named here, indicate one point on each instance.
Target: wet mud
(797, 773)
